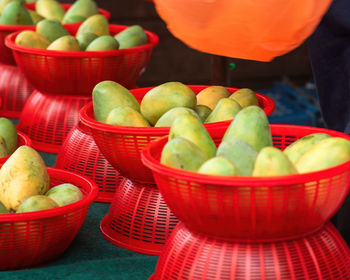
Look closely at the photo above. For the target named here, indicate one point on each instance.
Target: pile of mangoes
(13, 12)
(92, 35)
(246, 148)
(8, 137)
(114, 104)
(25, 185)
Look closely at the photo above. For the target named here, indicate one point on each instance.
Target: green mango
(65, 43)
(210, 96)
(245, 97)
(126, 116)
(73, 19)
(326, 153)
(202, 111)
(168, 118)
(273, 162)
(218, 166)
(108, 95)
(36, 203)
(191, 128)
(50, 9)
(22, 175)
(103, 43)
(241, 154)
(251, 125)
(80, 9)
(85, 39)
(29, 38)
(65, 194)
(3, 148)
(295, 150)
(51, 29)
(225, 110)
(164, 97)
(3, 209)
(15, 13)
(183, 154)
(132, 36)
(96, 24)
(35, 16)
(3, 4)
(8, 131)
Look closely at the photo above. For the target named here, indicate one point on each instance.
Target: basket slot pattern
(138, 217)
(47, 119)
(187, 255)
(14, 91)
(80, 154)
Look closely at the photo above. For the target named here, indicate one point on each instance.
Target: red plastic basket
(250, 208)
(22, 140)
(48, 119)
(122, 145)
(29, 239)
(14, 91)
(77, 73)
(80, 155)
(6, 56)
(189, 255)
(138, 219)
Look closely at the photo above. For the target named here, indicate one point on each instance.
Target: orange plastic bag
(250, 29)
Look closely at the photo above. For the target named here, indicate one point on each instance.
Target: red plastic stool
(80, 154)
(191, 255)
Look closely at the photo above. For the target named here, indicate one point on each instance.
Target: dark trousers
(329, 51)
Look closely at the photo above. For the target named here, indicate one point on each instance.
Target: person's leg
(329, 51)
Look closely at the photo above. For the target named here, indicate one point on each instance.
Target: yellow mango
(96, 24)
(245, 97)
(226, 109)
(126, 116)
(80, 9)
(32, 39)
(36, 203)
(169, 117)
(65, 43)
(218, 166)
(210, 96)
(22, 175)
(50, 9)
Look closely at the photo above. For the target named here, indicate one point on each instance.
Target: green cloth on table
(90, 256)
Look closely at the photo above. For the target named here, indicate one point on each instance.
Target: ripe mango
(240, 154)
(210, 96)
(327, 153)
(245, 97)
(22, 175)
(85, 39)
(36, 203)
(108, 95)
(218, 166)
(35, 16)
(9, 132)
(50, 9)
(65, 194)
(183, 154)
(132, 36)
(81, 9)
(15, 13)
(96, 24)
(295, 150)
(126, 116)
(202, 111)
(168, 118)
(3, 148)
(65, 43)
(226, 109)
(51, 29)
(191, 128)
(251, 125)
(103, 43)
(164, 97)
(273, 162)
(29, 38)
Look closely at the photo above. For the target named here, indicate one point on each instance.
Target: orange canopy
(249, 29)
